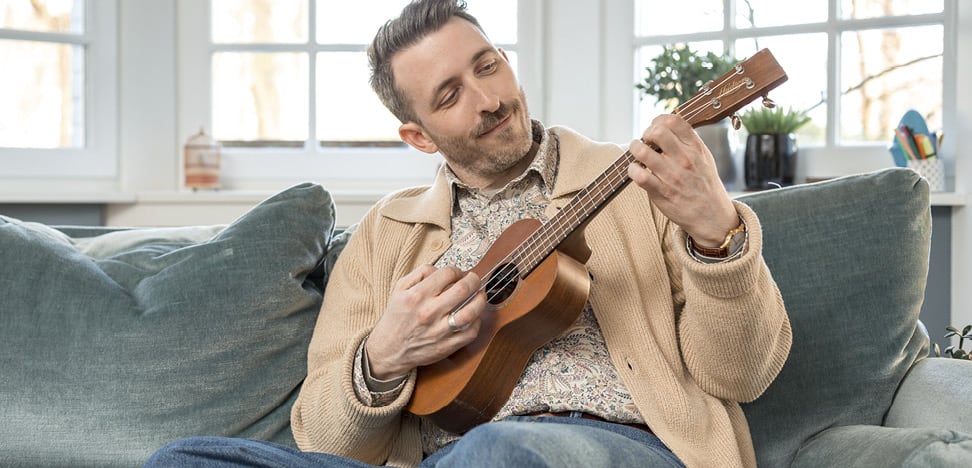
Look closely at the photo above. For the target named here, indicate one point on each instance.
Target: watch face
(738, 242)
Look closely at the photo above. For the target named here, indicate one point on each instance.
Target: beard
(499, 152)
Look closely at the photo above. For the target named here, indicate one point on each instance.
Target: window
(855, 66)
(283, 85)
(58, 116)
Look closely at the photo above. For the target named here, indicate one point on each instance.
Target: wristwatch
(723, 250)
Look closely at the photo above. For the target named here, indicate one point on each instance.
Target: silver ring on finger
(452, 323)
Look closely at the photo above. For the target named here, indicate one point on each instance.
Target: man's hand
(415, 330)
(679, 174)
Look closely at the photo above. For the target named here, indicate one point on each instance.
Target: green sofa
(114, 342)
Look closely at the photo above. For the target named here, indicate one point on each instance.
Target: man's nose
(487, 101)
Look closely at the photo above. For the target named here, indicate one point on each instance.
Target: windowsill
(256, 196)
(76, 198)
(246, 196)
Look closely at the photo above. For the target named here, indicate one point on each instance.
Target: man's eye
(448, 99)
(488, 67)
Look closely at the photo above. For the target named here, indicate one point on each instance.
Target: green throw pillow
(850, 257)
(114, 345)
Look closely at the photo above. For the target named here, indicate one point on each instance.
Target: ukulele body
(470, 386)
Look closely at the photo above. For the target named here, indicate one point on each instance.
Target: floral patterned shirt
(574, 372)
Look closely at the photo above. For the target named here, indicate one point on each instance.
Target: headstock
(722, 97)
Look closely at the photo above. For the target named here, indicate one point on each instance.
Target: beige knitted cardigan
(690, 340)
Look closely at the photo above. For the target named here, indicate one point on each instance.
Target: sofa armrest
(936, 393)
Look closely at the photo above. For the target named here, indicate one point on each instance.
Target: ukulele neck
(585, 204)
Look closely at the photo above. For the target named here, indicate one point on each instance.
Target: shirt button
(438, 245)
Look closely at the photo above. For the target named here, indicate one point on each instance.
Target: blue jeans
(519, 441)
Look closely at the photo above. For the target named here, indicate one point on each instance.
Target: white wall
(148, 142)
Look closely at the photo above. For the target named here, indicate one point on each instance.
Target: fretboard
(585, 204)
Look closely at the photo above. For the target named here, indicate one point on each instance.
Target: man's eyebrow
(449, 81)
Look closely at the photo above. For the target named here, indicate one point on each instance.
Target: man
(683, 321)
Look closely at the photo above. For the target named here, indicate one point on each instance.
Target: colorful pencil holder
(933, 170)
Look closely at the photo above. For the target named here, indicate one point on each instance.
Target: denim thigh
(526, 441)
(231, 452)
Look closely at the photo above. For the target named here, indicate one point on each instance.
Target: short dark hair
(417, 20)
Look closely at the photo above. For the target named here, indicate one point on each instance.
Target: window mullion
(310, 145)
(832, 101)
(728, 26)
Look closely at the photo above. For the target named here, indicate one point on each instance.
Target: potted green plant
(678, 72)
(956, 352)
(674, 76)
(771, 149)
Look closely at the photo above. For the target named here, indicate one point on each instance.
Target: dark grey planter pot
(770, 160)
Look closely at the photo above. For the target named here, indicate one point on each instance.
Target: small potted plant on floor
(771, 149)
(674, 76)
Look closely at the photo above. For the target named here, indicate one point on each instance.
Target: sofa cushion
(934, 394)
(115, 344)
(873, 446)
(850, 256)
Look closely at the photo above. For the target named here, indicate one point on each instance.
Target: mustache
(491, 119)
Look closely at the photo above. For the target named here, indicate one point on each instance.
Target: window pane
(259, 21)
(878, 8)
(260, 96)
(762, 13)
(344, 22)
(659, 17)
(60, 16)
(803, 58)
(498, 19)
(884, 73)
(42, 91)
(347, 108)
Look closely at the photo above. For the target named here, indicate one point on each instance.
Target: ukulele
(534, 276)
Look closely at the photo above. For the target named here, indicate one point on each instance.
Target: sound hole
(502, 283)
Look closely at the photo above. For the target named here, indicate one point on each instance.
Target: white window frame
(831, 158)
(98, 159)
(366, 169)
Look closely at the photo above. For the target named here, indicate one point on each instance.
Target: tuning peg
(736, 122)
(768, 103)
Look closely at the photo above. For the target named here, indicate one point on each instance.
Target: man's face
(471, 108)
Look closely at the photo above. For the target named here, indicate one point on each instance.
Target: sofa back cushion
(115, 344)
(850, 256)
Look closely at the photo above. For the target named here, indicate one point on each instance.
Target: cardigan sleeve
(328, 416)
(734, 332)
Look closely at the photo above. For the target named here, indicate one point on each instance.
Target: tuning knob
(768, 103)
(736, 123)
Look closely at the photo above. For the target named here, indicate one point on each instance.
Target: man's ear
(413, 134)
